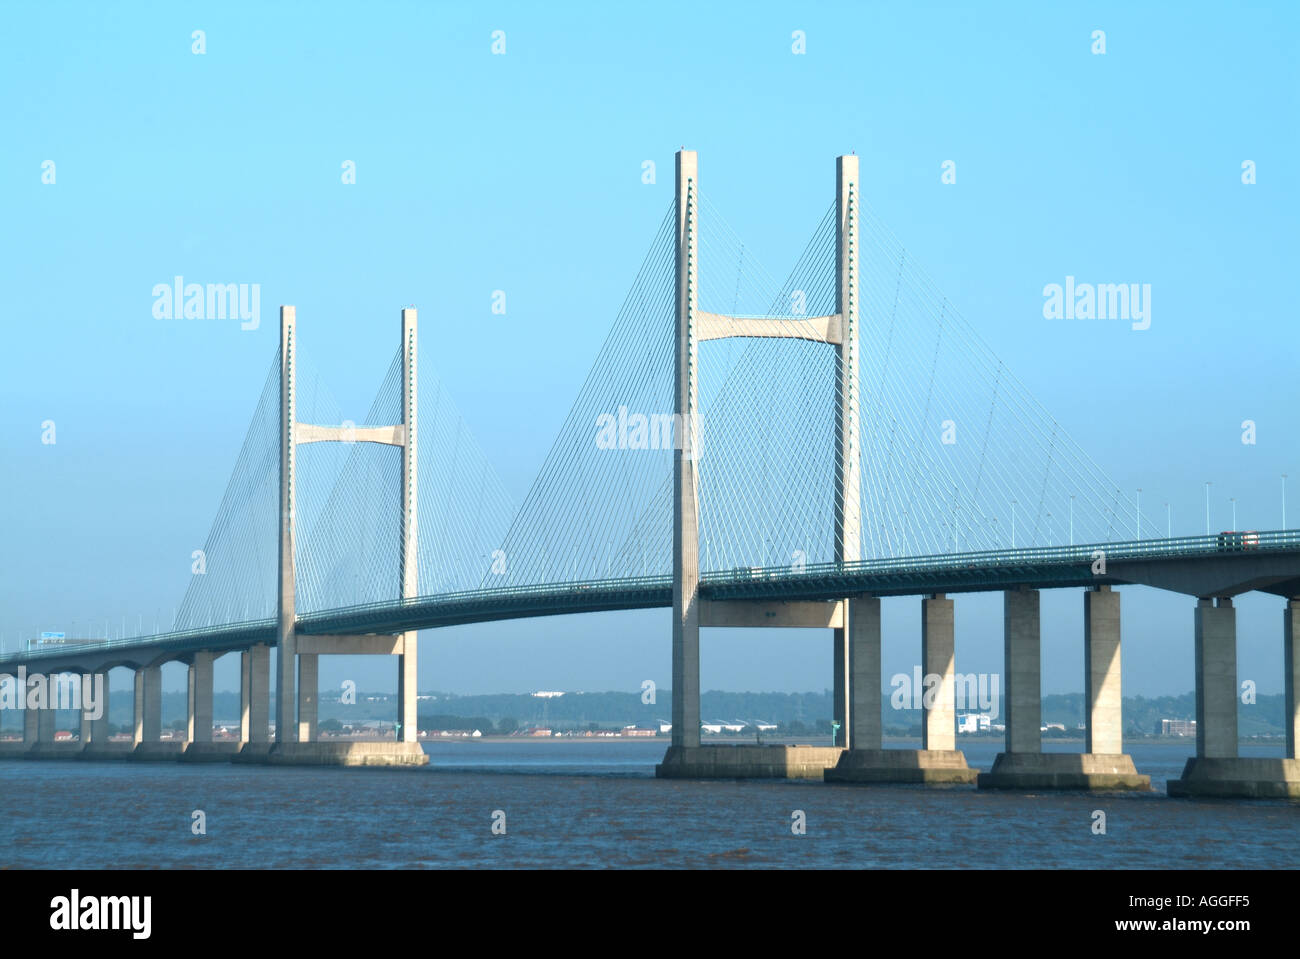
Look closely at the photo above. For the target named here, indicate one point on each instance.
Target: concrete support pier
(200, 747)
(408, 727)
(940, 762)
(148, 718)
(1024, 765)
(308, 691)
(98, 747)
(56, 691)
(199, 699)
(1216, 770)
(255, 701)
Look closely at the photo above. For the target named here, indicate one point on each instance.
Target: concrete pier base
(747, 762)
(1238, 778)
(200, 752)
(13, 750)
(158, 751)
(926, 766)
(252, 752)
(1092, 771)
(107, 750)
(44, 750)
(336, 754)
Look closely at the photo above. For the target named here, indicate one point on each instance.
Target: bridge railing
(1148, 549)
(212, 635)
(496, 595)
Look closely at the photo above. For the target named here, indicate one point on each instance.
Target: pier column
(1216, 678)
(938, 658)
(31, 717)
(864, 673)
(99, 727)
(148, 704)
(686, 564)
(45, 717)
(137, 709)
(199, 712)
(407, 699)
(245, 697)
(85, 734)
(1216, 769)
(1102, 674)
(1024, 765)
(938, 761)
(1022, 661)
(1291, 675)
(255, 694)
(841, 673)
(308, 691)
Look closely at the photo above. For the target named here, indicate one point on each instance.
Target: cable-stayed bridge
(746, 451)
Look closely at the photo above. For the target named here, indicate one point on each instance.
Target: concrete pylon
(286, 638)
(409, 571)
(848, 481)
(686, 559)
(297, 673)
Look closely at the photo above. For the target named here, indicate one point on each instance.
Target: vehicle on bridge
(1235, 540)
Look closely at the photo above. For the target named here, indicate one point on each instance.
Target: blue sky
(522, 172)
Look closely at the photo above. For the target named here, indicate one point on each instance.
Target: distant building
(546, 694)
(1046, 726)
(973, 722)
(640, 731)
(539, 732)
(1176, 727)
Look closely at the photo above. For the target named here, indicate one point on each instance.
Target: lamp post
(1207, 507)
(1137, 517)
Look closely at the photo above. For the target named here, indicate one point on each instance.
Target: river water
(575, 804)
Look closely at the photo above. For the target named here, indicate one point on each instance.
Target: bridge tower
(685, 756)
(297, 670)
